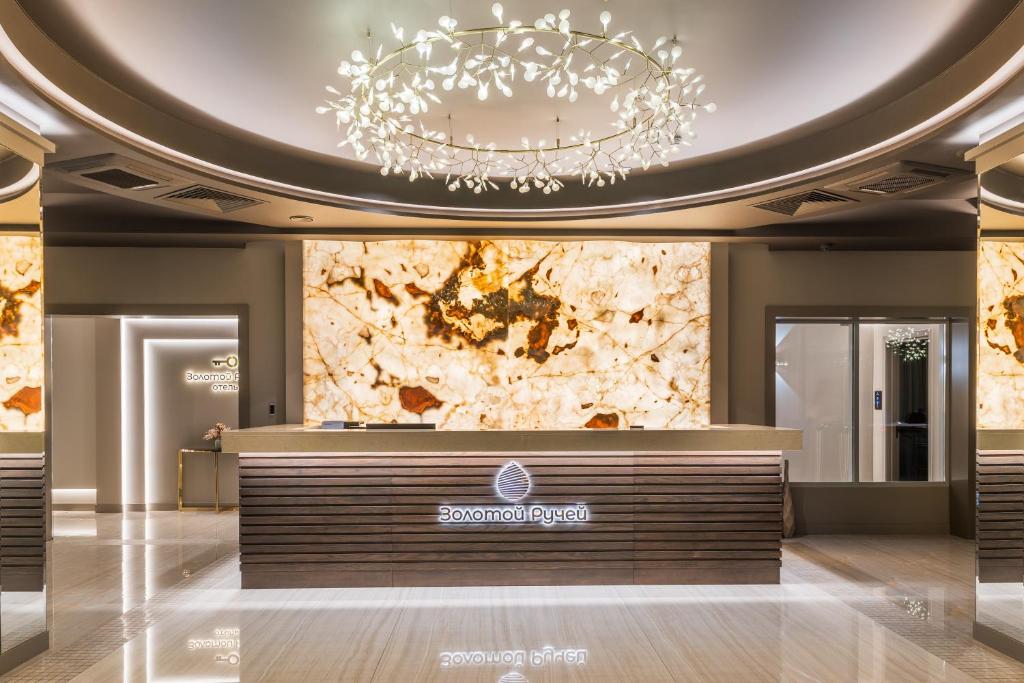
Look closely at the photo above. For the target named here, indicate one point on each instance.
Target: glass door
(813, 392)
(902, 368)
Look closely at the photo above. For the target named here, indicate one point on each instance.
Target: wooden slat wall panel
(371, 519)
(1000, 517)
(22, 527)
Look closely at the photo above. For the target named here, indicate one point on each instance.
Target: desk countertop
(303, 439)
(22, 443)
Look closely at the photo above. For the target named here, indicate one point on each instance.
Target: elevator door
(869, 395)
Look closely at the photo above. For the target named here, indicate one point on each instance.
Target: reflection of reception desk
(1000, 502)
(382, 508)
(22, 512)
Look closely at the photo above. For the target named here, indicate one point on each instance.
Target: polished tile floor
(156, 598)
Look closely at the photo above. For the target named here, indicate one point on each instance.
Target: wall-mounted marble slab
(508, 334)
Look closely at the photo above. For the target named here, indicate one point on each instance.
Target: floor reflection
(1001, 606)
(22, 616)
(156, 598)
(72, 526)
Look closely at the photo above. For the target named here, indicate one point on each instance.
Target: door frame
(872, 314)
(50, 311)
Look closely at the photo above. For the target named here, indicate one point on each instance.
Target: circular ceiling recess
(230, 88)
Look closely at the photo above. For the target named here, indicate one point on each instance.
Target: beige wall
(177, 414)
(161, 276)
(73, 403)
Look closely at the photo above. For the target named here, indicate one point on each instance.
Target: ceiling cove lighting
(1004, 204)
(652, 102)
(979, 93)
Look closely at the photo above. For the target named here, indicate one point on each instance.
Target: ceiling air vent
(802, 202)
(896, 183)
(210, 199)
(125, 180)
(114, 170)
(900, 178)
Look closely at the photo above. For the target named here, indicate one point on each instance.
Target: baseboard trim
(918, 508)
(841, 529)
(73, 507)
(19, 654)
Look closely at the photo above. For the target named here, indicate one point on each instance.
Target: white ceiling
(773, 67)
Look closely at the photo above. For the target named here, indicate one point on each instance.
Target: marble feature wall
(21, 333)
(1000, 385)
(507, 334)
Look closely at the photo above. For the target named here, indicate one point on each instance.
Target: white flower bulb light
(653, 103)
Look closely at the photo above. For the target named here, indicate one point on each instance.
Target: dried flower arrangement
(215, 432)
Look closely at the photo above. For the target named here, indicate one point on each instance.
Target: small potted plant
(214, 433)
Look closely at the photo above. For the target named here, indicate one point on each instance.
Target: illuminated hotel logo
(513, 484)
(223, 378)
(230, 361)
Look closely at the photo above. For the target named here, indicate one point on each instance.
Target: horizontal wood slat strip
(1000, 517)
(22, 543)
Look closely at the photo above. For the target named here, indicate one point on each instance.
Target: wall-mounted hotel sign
(513, 484)
(223, 378)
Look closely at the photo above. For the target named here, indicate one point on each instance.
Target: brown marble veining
(21, 333)
(507, 334)
(1000, 335)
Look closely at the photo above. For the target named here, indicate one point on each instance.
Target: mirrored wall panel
(1000, 409)
(23, 612)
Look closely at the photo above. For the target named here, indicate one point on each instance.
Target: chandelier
(652, 103)
(907, 343)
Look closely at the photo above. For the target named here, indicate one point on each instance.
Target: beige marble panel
(1000, 335)
(509, 334)
(21, 333)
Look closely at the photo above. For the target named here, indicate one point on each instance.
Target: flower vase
(216, 444)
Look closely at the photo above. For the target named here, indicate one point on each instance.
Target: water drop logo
(512, 482)
(513, 677)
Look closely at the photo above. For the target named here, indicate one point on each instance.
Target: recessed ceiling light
(301, 219)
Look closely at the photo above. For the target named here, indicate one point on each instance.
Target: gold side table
(217, 507)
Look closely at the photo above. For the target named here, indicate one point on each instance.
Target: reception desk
(323, 508)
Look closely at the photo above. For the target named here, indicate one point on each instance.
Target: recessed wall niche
(507, 334)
